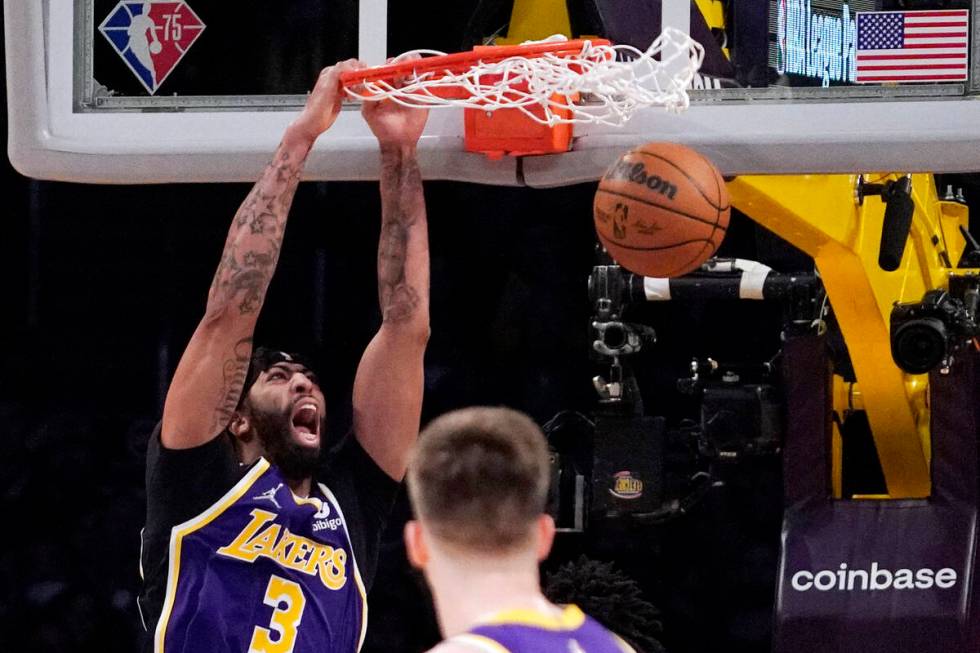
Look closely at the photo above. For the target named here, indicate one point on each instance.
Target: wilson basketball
(661, 210)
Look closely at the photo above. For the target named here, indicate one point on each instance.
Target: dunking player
(478, 482)
(247, 546)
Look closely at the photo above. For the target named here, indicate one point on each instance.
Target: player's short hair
(479, 478)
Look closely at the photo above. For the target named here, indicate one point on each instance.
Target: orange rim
(459, 62)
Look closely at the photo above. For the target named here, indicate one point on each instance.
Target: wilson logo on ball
(637, 173)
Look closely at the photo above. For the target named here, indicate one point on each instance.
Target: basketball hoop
(518, 97)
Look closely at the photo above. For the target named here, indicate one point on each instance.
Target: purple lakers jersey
(524, 631)
(262, 570)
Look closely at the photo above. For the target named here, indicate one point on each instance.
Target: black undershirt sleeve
(180, 484)
(366, 495)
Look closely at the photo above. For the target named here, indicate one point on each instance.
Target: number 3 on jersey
(286, 597)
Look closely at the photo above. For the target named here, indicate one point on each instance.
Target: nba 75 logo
(151, 37)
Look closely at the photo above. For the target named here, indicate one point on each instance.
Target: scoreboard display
(814, 42)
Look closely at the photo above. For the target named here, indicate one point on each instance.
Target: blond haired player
(478, 482)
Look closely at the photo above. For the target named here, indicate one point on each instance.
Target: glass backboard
(127, 91)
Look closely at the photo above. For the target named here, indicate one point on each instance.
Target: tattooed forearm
(255, 239)
(233, 372)
(398, 299)
(401, 207)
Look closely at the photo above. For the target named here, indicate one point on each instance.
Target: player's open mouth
(306, 420)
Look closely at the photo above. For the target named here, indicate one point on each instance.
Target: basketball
(661, 210)
(156, 47)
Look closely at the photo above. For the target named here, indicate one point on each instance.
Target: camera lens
(614, 336)
(919, 345)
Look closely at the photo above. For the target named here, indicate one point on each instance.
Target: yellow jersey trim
(308, 501)
(480, 642)
(178, 533)
(571, 617)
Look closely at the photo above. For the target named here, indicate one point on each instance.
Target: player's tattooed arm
(209, 379)
(402, 222)
(233, 371)
(388, 385)
(255, 239)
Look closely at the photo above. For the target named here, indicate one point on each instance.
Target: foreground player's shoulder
(621, 643)
(618, 644)
(469, 643)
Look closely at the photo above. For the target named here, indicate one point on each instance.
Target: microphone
(899, 208)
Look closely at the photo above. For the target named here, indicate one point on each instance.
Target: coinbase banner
(878, 575)
(850, 569)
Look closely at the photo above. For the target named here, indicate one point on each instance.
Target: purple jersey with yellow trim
(262, 570)
(525, 631)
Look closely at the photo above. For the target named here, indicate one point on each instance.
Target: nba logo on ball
(151, 37)
(661, 210)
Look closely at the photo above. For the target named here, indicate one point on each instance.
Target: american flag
(912, 46)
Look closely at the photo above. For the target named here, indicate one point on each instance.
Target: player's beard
(274, 431)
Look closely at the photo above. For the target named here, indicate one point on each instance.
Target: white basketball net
(612, 81)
